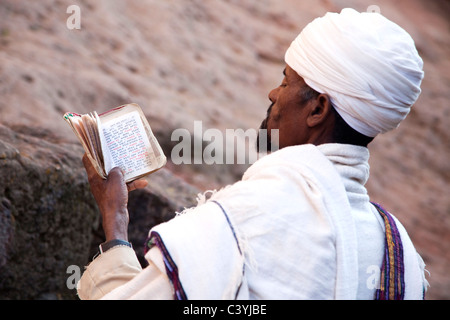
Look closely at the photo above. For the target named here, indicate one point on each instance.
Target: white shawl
(286, 231)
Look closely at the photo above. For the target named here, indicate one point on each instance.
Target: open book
(120, 137)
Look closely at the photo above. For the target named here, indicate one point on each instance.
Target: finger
(90, 170)
(137, 184)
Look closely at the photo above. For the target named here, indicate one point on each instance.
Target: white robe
(299, 225)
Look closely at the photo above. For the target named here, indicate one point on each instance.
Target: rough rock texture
(44, 226)
(182, 61)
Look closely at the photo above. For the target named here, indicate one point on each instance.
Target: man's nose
(273, 95)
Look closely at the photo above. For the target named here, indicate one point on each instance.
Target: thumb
(116, 174)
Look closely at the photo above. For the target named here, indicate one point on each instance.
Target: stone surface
(47, 214)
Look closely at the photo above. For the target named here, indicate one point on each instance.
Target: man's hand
(111, 196)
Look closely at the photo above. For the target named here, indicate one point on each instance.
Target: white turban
(368, 66)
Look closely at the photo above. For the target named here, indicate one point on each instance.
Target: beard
(263, 130)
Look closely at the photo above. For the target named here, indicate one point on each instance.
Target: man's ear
(320, 110)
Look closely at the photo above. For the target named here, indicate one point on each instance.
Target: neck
(352, 164)
(321, 137)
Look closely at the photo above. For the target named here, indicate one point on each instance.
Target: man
(299, 225)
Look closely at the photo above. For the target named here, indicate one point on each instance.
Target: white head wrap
(368, 65)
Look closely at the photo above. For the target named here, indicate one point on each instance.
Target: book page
(119, 137)
(91, 128)
(128, 145)
(85, 128)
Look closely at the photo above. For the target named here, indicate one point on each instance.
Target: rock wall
(182, 61)
(47, 214)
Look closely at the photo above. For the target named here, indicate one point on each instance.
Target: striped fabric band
(171, 267)
(392, 281)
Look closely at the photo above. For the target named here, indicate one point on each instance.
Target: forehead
(292, 76)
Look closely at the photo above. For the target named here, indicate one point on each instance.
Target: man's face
(287, 112)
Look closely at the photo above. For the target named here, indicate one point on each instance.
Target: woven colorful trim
(171, 267)
(392, 280)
